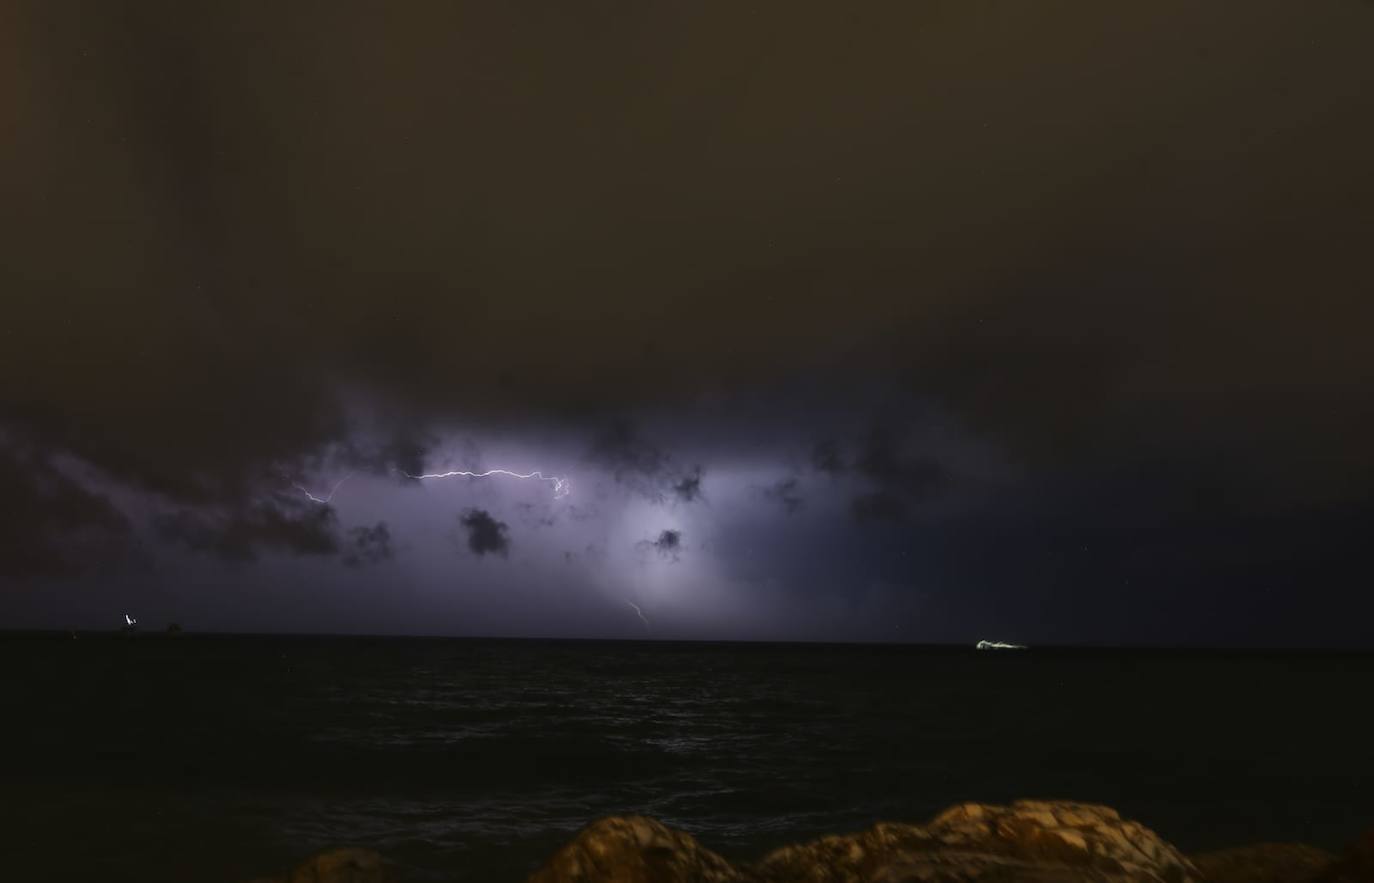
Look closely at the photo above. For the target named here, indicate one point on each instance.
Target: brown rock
(1043, 841)
(634, 849)
(1029, 842)
(842, 858)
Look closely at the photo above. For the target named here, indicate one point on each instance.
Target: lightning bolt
(640, 614)
(327, 499)
(561, 487)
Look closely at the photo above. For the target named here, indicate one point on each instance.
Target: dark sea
(204, 758)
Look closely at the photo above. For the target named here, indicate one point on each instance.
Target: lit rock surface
(634, 849)
(1039, 841)
(1029, 840)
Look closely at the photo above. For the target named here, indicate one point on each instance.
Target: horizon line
(815, 642)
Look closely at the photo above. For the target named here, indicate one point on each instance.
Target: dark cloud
(668, 544)
(239, 534)
(51, 525)
(406, 456)
(535, 516)
(826, 457)
(401, 456)
(688, 488)
(485, 535)
(1066, 286)
(368, 545)
(227, 232)
(885, 459)
(643, 466)
(620, 448)
(784, 493)
(879, 506)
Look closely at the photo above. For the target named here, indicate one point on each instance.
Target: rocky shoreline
(1034, 841)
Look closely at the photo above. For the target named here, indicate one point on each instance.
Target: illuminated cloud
(688, 488)
(368, 545)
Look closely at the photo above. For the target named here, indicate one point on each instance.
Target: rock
(1031, 841)
(1264, 863)
(337, 866)
(634, 849)
(848, 857)
(1356, 865)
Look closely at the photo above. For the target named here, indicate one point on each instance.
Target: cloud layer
(940, 269)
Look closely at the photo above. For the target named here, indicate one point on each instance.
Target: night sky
(1044, 322)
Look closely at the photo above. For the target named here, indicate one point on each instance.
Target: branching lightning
(326, 499)
(561, 487)
(639, 613)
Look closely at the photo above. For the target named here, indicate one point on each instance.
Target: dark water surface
(215, 759)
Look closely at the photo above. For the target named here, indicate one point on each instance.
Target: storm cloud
(239, 534)
(242, 252)
(687, 489)
(368, 545)
(826, 457)
(668, 544)
(785, 493)
(485, 534)
(52, 525)
(246, 325)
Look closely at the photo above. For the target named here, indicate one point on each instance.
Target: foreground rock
(337, 866)
(1265, 863)
(1035, 841)
(1026, 842)
(634, 849)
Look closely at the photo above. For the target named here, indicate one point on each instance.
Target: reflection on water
(216, 759)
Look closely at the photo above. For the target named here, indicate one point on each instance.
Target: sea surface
(208, 758)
